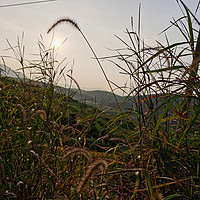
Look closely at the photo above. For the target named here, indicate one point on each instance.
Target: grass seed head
(74, 150)
(64, 20)
(157, 196)
(40, 112)
(98, 165)
(23, 110)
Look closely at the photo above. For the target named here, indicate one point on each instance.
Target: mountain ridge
(92, 97)
(9, 72)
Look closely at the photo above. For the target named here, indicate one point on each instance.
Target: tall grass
(149, 151)
(164, 91)
(37, 127)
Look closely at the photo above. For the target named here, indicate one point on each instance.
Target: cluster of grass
(53, 147)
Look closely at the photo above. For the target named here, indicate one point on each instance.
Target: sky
(99, 20)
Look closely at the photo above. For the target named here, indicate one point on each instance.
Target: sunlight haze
(100, 21)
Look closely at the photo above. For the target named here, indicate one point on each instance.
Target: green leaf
(190, 124)
(149, 186)
(165, 69)
(189, 26)
(163, 113)
(137, 183)
(161, 51)
(175, 196)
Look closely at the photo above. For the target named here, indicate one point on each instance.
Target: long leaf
(162, 115)
(137, 183)
(190, 124)
(148, 182)
(175, 196)
(165, 69)
(189, 26)
(161, 51)
(166, 100)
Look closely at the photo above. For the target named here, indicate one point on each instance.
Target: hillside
(68, 110)
(98, 97)
(8, 72)
(94, 98)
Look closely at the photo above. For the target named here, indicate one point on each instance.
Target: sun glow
(56, 43)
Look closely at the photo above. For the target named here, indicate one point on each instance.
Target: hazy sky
(100, 20)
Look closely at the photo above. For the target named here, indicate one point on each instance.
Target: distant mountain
(97, 97)
(8, 72)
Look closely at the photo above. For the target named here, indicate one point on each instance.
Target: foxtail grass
(157, 196)
(97, 165)
(75, 25)
(73, 150)
(41, 113)
(23, 111)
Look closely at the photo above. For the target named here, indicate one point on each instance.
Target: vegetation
(53, 147)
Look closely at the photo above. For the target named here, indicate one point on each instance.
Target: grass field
(54, 147)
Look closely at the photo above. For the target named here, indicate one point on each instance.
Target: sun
(56, 43)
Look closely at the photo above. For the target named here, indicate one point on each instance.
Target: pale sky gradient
(100, 20)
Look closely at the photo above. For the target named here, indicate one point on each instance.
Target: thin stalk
(73, 23)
